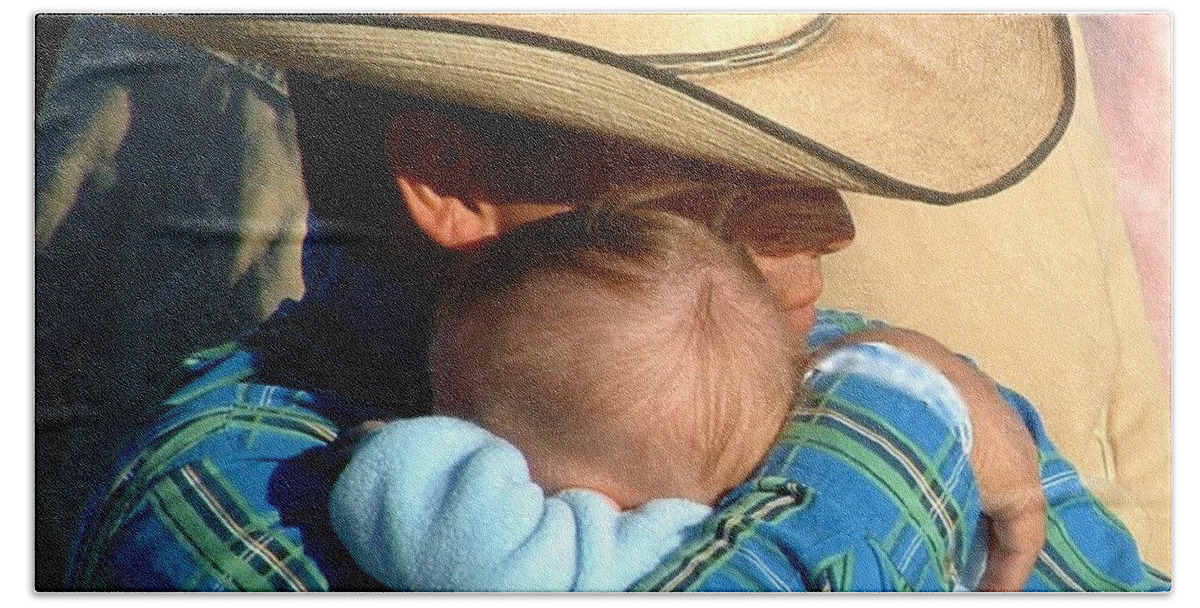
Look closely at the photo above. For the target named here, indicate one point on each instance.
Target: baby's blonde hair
(630, 349)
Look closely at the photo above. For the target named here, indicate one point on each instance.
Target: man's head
(632, 352)
(466, 177)
(442, 178)
(938, 108)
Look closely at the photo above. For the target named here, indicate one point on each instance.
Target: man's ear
(447, 219)
(430, 158)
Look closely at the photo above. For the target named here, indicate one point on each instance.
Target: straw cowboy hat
(934, 107)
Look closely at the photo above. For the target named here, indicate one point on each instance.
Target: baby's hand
(1003, 456)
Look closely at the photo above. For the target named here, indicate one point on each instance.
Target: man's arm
(1003, 456)
(862, 426)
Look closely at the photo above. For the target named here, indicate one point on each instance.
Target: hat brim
(936, 108)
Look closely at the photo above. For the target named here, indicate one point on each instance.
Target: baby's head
(630, 352)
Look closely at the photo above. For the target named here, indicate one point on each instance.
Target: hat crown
(655, 33)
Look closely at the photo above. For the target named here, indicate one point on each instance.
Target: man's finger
(1016, 538)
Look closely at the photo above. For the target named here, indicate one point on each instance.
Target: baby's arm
(439, 504)
(1002, 455)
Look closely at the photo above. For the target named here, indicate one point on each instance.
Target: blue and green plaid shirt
(228, 490)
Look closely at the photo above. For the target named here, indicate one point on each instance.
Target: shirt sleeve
(221, 493)
(439, 504)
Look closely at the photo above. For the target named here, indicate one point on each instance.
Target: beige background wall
(1041, 282)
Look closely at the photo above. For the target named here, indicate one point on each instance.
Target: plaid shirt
(229, 491)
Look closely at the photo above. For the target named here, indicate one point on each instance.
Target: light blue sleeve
(440, 504)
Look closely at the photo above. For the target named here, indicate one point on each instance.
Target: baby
(628, 357)
(603, 380)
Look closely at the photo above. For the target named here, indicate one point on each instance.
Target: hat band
(711, 62)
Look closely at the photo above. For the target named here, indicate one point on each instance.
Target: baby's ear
(430, 158)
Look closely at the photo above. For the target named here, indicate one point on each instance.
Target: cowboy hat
(939, 108)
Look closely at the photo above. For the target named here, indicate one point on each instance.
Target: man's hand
(1003, 456)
